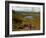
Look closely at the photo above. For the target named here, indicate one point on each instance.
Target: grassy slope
(18, 15)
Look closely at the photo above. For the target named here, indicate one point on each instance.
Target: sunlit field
(24, 21)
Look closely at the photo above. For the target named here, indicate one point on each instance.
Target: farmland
(22, 20)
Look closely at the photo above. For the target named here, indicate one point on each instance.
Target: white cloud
(26, 9)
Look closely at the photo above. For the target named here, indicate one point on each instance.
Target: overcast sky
(26, 9)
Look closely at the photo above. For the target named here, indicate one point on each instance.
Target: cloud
(26, 9)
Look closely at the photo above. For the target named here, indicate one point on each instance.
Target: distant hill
(22, 12)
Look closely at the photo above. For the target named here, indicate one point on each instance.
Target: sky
(26, 9)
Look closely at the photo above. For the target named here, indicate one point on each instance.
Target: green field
(19, 22)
